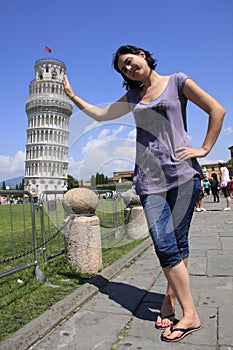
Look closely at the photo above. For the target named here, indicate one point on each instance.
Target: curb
(37, 329)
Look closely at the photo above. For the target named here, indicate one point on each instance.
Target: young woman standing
(167, 176)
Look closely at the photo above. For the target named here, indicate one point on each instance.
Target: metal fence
(33, 231)
(111, 213)
(18, 237)
(52, 217)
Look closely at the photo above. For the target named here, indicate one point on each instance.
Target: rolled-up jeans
(169, 216)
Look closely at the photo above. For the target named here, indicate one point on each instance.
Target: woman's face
(134, 67)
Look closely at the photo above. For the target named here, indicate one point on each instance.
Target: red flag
(48, 49)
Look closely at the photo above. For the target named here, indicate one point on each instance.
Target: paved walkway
(121, 314)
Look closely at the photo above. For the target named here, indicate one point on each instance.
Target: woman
(214, 185)
(207, 187)
(167, 175)
(225, 183)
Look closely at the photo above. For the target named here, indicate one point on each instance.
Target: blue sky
(195, 37)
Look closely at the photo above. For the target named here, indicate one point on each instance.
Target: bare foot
(166, 318)
(186, 325)
(166, 321)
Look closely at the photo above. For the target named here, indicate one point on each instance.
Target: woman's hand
(184, 153)
(68, 89)
(109, 112)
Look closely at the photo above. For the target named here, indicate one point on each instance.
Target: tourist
(167, 176)
(214, 185)
(198, 205)
(225, 183)
(207, 187)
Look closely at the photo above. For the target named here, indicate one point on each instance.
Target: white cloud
(73, 167)
(92, 163)
(106, 153)
(204, 161)
(132, 134)
(228, 131)
(126, 150)
(105, 135)
(91, 126)
(104, 148)
(12, 166)
(118, 130)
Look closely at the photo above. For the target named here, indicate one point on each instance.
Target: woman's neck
(152, 79)
(153, 87)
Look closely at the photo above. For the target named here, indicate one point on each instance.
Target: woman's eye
(127, 63)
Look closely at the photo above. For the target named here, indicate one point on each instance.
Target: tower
(48, 110)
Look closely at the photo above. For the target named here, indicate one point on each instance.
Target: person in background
(214, 185)
(225, 183)
(198, 206)
(231, 186)
(207, 187)
(167, 175)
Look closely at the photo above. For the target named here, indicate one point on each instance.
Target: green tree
(97, 178)
(101, 179)
(21, 185)
(93, 181)
(4, 185)
(72, 182)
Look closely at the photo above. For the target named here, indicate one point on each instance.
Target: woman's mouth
(134, 71)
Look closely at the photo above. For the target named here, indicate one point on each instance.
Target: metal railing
(18, 238)
(52, 217)
(29, 229)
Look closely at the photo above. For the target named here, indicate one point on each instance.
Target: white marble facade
(48, 110)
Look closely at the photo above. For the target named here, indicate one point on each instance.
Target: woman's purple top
(161, 128)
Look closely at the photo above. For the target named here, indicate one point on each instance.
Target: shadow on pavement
(130, 297)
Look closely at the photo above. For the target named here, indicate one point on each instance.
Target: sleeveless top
(161, 128)
(226, 176)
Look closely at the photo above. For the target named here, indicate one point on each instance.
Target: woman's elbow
(218, 111)
(222, 112)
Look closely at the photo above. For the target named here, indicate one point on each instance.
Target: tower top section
(49, 69)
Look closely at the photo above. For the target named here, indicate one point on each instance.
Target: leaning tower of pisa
(48, 110)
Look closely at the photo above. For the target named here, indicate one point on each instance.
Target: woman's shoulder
(180, 79)
(180, 76)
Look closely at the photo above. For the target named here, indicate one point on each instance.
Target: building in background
(208, 169)
(48, 110)
(121, 176)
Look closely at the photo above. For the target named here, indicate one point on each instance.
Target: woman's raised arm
(111, 111)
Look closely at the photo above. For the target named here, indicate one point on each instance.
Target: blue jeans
(168, 217)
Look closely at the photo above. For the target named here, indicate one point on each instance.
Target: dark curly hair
(128, 83)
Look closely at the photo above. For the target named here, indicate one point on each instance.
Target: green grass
(23, 302)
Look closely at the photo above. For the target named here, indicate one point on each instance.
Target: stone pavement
(121, 314)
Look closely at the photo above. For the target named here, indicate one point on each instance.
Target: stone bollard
(135, 220)
(82, 234)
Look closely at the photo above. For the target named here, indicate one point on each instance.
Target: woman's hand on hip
(185, 153)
